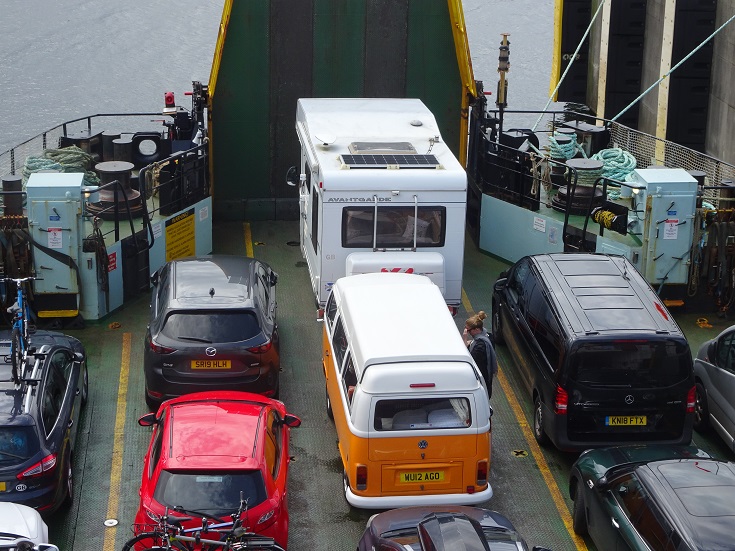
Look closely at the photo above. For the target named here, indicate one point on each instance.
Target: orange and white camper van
(408, 402)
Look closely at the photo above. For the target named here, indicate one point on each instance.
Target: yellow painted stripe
(248, 240)
(466, 303)
(515, 405)
(117, 445)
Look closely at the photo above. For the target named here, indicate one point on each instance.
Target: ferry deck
(530, 483)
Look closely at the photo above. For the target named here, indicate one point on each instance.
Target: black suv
(603, 359)
(212, 327)
(39, 420)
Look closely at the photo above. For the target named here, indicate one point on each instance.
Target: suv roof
(215, 280)
(598, 292)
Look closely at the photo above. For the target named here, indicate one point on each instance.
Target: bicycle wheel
(152, 541)
(17, 345)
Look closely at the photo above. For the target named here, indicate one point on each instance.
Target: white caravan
(379, 191)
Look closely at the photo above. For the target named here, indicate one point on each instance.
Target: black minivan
(604, 360)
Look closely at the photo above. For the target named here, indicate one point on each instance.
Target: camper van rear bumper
(392, 502)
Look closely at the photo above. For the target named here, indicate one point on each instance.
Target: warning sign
(180, 239)
(55, 239)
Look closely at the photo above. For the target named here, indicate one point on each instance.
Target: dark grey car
(40, 419)
(714, 374)
(212, 327)
(441, 527)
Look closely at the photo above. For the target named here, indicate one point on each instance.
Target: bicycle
(23, 544)
(20, 339)
(168, 534)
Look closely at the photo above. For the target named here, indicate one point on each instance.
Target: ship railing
(166, 186)
(497, 163)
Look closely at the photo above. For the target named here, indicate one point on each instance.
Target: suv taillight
(43, 466)
(561, 400)
(158, 349)
(482, 473)
(361, 479)
(691, 398)
(262, 349)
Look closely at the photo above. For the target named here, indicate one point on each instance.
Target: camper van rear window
(395, 227)
(422, 414)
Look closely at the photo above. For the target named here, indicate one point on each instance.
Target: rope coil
(618, 164)
(70, 159)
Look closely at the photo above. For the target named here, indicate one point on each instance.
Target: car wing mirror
(500, 284)
(291, 421)
(273, 278)
(148, 420)
(292, 176)
(78, 357)
(154, 278)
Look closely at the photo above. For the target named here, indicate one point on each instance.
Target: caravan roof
(349, 138)
(394, 317)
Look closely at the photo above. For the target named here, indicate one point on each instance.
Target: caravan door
(311, 206)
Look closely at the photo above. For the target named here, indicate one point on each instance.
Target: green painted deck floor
(530, 485)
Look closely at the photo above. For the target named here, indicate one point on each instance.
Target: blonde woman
(481, 348)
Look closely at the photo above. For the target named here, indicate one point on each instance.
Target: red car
(207, 448)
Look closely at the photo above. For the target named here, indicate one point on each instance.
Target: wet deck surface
(530, 484)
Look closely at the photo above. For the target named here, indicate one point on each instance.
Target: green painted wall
(277, 51)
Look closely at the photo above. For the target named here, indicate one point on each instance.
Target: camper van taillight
(561, 400)
(422, 385)
(361, 480)
(482, 473)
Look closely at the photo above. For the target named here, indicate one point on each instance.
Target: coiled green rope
(68, 159)
(617, 163)
(564, 151)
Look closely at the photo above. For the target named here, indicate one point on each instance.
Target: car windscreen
(216, 493)
(212, 326)
(631, 363)
(422, 413)
(17, 444)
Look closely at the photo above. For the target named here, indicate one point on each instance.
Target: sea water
(65, 59)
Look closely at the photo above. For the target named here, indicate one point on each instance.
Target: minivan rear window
(631, 363)
(212, 326)
(422, 414)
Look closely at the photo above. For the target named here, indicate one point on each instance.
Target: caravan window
(395, 227)
(422, 414)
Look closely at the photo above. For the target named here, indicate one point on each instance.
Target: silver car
(714, 372)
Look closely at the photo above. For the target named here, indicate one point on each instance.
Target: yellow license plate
(422, 477)
(2, 486)
(625, 420)
(211, 364)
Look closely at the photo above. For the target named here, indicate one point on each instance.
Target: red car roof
(206, 431)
